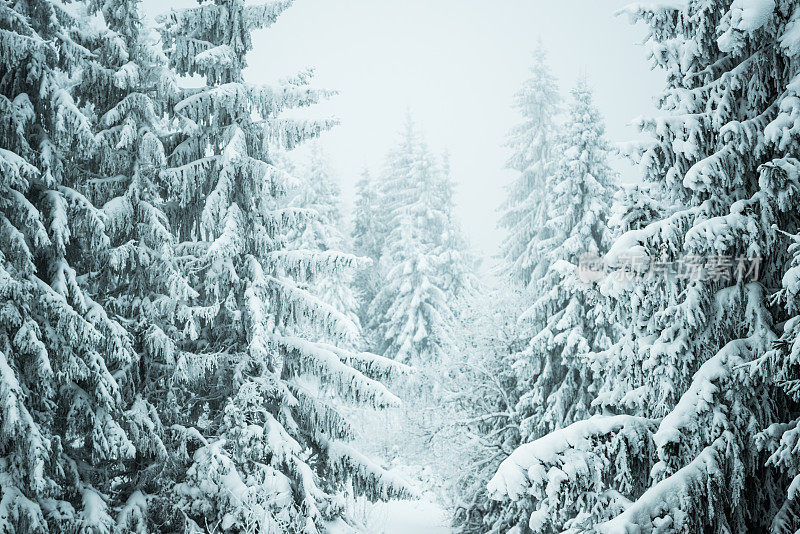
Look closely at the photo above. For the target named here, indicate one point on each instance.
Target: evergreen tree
(699, 410)
(142, 282)
(68, 434)
(319, 193)
(367, 232)
(565, 322)
(368, 240)
(423, 265)
(532, 142)
(257, 446)
(422, 270)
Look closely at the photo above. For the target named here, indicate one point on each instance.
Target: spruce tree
(68, 437)
(564, 321)
(422, 270)
(367, 232)
(697, 399)
(319, 193)
(423, 264)
(257, 444)
(143, 281)
(368, 241)
(532, 141)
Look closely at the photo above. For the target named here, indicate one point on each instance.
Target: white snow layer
(525, 464)
(750, 15)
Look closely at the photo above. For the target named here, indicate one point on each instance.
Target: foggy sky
(456, 65)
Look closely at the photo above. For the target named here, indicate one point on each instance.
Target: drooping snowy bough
(579, 474)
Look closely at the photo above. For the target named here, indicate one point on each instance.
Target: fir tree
(564, 321)
(532, 142)
(142, 281)
(422, 270)
(368, 241)
(367, 232)
(257, 444)
(423, 265)
(67, 438)
(695, 377)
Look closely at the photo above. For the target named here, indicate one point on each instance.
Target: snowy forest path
(415, 517)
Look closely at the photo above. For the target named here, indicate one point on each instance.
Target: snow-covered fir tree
(319, 193)
(423, 263)
(406, 219)
(69, 437)
(141, 281)
(533, 158)
(698, 407)
(256, 446)
(368, 240)
(367, 232)
(565, 323)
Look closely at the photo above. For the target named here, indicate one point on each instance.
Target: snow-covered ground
(398, 517)
(413, 517)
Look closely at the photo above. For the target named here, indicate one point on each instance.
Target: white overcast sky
(456, 65)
